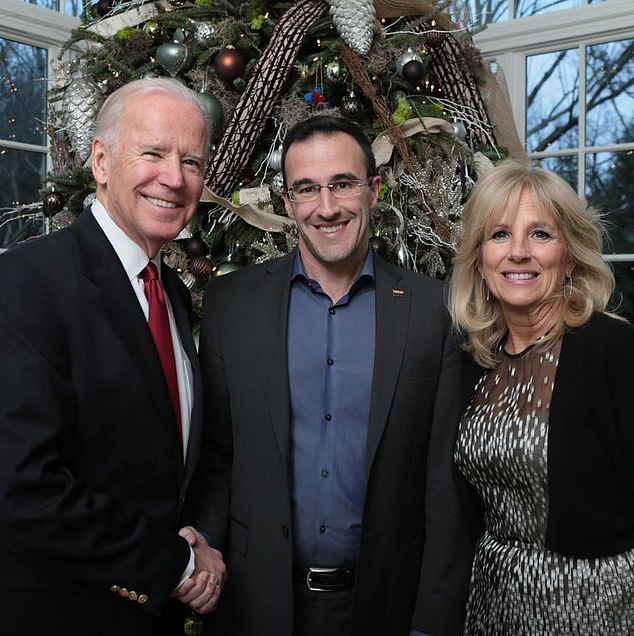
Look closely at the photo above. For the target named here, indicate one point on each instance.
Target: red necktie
(159, 323)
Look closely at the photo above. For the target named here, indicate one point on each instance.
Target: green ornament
(212, 109)
(175, 57)
(153, 29)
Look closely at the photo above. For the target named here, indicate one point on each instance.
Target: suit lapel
(393, 300)
(273, 300)
(173, 289)
(114, 297)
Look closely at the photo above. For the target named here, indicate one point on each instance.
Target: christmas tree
(400, 68)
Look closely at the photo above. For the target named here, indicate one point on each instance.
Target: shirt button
(328, 417)
(325, 474)
(330, 362)
(332, 311)
(322, 529)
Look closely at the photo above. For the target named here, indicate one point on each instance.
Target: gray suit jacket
(417, 538)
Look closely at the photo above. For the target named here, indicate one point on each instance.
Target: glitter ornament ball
(52, 203)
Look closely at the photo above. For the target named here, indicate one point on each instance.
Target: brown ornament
(229, 64)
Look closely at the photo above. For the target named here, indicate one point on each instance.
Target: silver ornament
(189, 279)
(204, 33)
(89, 199)
(275, 159)
(351, 105)
(408, 56)
(80, 104)
(336, 71)
(459, 130)
(354, 21)
(277, 183)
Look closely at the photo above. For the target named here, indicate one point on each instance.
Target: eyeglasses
(340, 189)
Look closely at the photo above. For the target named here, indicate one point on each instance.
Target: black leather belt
(325, 579)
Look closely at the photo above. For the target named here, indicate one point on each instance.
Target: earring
(567, 286)
(482, 285)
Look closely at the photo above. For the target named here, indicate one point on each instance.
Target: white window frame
(35, 26)
(509, 43)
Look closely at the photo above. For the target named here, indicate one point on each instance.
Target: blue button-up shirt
(330, 364)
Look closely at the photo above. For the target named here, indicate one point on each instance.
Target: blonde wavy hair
(579, 225)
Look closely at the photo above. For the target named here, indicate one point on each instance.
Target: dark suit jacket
(591, 441)
(92, 476)
(416, 545)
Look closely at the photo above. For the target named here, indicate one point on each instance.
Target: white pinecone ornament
(354, 20)
(81, 103)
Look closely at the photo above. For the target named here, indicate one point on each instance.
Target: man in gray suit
(332, 386)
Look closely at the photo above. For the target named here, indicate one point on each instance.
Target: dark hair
(328, 125)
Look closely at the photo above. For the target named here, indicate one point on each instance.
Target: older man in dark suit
(100, 411)
(332, 386)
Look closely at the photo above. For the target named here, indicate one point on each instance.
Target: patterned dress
(517, 585)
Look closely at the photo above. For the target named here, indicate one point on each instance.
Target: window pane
(552, 100)
(566, 167)
(45, 4)
(525, 8)
(483, 12)
(22, 92)
(21, 175)
(610, 187)
(74, 7)
(623, 300)
(610, 93)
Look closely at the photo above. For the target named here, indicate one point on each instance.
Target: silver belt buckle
(317, 571)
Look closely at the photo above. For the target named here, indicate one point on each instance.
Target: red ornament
(229, 64)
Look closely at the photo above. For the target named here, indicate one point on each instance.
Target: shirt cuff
(413, 632)
(189, 570)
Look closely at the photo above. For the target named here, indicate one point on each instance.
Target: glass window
(22, 92)
(610, 187)
(21, 173)
(552, 101)
(525, 8)
(45, 4)
(69, 7)
(566, 166)
(483, 12)
(610, 93)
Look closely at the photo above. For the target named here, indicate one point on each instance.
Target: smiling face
(151, 180)
(524, 262)
(333, 232)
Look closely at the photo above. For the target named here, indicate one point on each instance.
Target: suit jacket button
(143, 599)
(133, 596)
(123, 592)
(285, 532)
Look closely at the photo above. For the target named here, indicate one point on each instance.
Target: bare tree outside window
(603, 140)
(22, 127)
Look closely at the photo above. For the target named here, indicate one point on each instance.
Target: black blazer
(92, 476)
(417, 541)
(591, 441)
